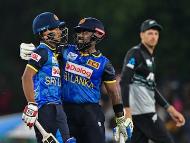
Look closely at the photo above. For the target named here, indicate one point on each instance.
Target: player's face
(150, 37)
(84, 36)
(53, 34)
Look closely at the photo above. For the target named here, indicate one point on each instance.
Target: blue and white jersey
(47, 83)
(83, 75)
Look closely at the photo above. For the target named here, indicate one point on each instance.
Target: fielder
(41, 79)
(139, 92)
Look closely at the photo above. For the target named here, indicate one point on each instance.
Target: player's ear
(45, 37)
(141, 35)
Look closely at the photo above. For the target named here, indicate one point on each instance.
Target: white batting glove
(125, 127)
(26, 50)
(30, 114)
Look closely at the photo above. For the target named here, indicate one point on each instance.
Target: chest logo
(149, 62)
(55, 71)
(78, 69)
(93, 64)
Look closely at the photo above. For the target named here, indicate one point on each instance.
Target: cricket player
(84, 70)
(139, 91)
(41, 79)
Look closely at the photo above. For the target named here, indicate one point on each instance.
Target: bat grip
(40, 128)
(121, 138)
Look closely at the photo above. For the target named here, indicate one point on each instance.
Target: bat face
(50, 139)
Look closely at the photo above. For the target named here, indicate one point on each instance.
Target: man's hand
(125, 127)
(26, 50)
(176, 116)
(30, 114)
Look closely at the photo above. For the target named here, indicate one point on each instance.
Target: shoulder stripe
(113, 81)
(32, 67)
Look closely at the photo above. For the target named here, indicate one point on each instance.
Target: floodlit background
(122, 19)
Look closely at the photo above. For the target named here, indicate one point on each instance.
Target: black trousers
(149, 126)
(86, 122)
(52, 118)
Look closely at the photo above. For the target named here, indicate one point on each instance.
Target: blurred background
(122, 20)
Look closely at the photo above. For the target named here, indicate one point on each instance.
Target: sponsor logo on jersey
(35, 57)
(78, 69)
(72, 56)
(55, 71)
(73, 78)
(131, 63)
(150, 77)
(148, 62)
(93, 64)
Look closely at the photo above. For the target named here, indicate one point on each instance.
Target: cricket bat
(47, 137)
(121, 138)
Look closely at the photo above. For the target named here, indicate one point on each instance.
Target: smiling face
(150, 38)
(84, 36)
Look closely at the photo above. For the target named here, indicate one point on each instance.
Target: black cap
(150, 24)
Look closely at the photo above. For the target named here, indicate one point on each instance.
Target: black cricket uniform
(138, 92)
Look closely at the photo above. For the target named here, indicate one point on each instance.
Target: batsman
(41, 79)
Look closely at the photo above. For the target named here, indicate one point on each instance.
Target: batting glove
(30, 114)
(125, 127)
(26, 50)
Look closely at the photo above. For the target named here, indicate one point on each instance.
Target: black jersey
(138, 81)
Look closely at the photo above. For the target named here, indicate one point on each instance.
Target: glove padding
(125, 127)
(26, 50)
(30, 114)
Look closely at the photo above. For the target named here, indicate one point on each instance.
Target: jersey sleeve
(109, 73)
(131, 61)
(38, 59)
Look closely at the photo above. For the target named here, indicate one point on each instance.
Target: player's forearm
(127, 112)
(170, 109)
(115, 95)
(113, 92)
(27, 84)
(161, 100)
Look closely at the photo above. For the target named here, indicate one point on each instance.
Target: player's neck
(149, 48)
(90, 50)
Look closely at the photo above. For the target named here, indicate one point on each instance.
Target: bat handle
(121, 138)
(40, 128)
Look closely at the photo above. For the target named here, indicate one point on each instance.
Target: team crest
(54, 60)
(56, 18)
(93, 64)
(82, 21)
(71, 56)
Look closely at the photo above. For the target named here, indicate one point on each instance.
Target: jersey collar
(146, 50)
(95, 54)
(53, 49)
